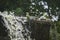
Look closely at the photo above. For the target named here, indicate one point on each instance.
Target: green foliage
(58, 29)
(18, 12)
(24, 4)
(58, 26)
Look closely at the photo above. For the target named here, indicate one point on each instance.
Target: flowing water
(16, 26)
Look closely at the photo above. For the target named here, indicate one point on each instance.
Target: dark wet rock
(40, 30)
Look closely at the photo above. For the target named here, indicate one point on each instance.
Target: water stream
(15, 26)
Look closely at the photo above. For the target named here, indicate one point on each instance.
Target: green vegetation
(18, 12)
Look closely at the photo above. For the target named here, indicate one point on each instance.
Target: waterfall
(16, 26)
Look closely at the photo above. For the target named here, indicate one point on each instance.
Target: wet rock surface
(40, 30)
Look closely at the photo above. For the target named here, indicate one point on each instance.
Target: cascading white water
(14, 25)
(18, 30)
